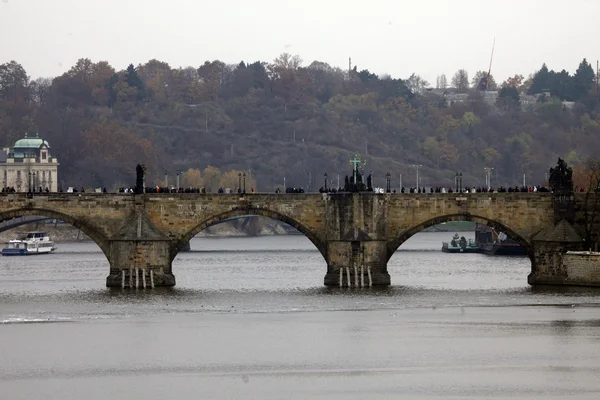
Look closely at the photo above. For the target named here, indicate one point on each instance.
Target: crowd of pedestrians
(436, 189)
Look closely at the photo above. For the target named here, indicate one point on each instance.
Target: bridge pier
(140, 246)
(133, 261)
(548, 266)
(357, 264)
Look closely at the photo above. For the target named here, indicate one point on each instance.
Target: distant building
(28, 165)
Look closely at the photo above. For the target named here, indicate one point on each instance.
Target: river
(251, 319)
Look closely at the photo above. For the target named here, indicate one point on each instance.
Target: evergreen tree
(561, 85)
(133, 79)
(583, 80)
(541, 81)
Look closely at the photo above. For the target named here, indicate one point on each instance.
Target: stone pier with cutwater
(355, 230)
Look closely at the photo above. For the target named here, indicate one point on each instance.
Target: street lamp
(178, 172)
(29, 181)
(456, 182)
(239, 182)
(325, 176)
(166, 179)
(417, 167)
(488, 176)
(244, 176)
(388, 185)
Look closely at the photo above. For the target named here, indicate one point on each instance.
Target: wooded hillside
(286, 119)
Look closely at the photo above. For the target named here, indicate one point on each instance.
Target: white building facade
(28, 165)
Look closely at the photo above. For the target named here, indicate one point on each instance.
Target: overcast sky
(398, 37)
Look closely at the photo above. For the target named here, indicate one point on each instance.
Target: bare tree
(441, 82)
(416, 84)
(460, 81)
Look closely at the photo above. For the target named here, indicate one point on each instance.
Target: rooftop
(30, 142)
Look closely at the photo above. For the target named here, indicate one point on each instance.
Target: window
(43, 155)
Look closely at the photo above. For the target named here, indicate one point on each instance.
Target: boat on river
(33, 243)
(494, 243)
(460, 245)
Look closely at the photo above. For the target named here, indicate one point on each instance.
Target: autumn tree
(157, 78)
(192, 178)
(286, 79)
(211, 178)
(214, 77)
(106, 154)
(514, 81)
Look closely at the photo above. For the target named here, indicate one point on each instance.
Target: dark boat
(460, 245)
(495, 243)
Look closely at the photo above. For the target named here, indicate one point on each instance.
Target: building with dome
(28, 165)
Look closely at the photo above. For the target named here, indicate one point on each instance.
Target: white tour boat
(33, 243)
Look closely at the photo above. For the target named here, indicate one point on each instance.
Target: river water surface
(251, 319)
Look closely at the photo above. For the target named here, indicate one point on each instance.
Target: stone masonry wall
(582, 267)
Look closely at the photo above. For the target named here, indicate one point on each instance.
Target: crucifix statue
(355, 161)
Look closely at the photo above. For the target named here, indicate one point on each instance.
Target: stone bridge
(356, 233)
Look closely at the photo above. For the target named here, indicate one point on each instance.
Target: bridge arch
(218, 218)
(406, 234)
(83, 226)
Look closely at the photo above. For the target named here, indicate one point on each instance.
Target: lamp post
(29, 182)
(325, 176)
(488, 176)
(417, 167)
(178, 172)
(460, 182)
(388, 184)
(244, 176)
(166, 179)
(456, 182)
(239, 182)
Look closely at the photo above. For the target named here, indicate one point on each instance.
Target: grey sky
(429, 37)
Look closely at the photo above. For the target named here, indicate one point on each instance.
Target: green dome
(30, 143)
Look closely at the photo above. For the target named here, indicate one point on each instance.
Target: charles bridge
(356, 233)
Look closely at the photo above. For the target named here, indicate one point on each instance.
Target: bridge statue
(561, 178)
(355, 184)
(140, 184)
